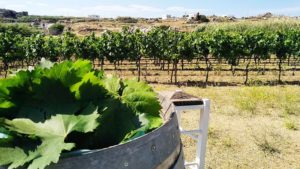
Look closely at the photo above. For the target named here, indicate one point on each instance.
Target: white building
(191, 16)
(165, 17)
(94, 16)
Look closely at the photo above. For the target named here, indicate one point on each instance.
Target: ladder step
(194, 134)
(188, 164)
(191, 131)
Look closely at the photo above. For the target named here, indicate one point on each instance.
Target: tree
(52, 48)
(173, 50)
(115, 47)
(34, 48)
(10, 49)
(101, 47)
(68, 44)
(257, 45)
(87, 48)
(135, 44)
(294, 36)
(282, 48)
(156, 43)
(56, 29)
(228, 45)
(186, 48)
(202, 49)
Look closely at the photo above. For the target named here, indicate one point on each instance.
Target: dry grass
(85, 28)
(250, 127)
(192, 76)
(261, 134)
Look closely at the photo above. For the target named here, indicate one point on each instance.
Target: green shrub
(289, 123)
(255, 82)
(22, 29)
(127, 20)
(257, 100)
(249, 99)
(202, 18)
(290, 104)
(56, 29)
(267, 142)
(33, 18)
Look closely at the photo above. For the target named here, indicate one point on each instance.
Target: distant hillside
(7, 13)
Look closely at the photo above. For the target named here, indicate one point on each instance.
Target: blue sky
(153, 8)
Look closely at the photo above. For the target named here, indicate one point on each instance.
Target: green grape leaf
(114, 123)
(68, 73)
(143, 101)
(140, 97)
(113, 85)
(148, 123)
(89, 88)
(12, 156)
(36, 94)
(52, 133)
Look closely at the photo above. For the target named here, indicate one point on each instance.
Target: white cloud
(106, 8)
(145, 8)
(41, 4)
(41, 7)
(287, 10)
(24, 6)
(280, 11)
(184, 10)
(133, 10)
(64, 12)
(17, 7)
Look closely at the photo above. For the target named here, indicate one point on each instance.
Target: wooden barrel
(159, 149)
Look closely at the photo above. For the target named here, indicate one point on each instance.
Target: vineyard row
(163, 46)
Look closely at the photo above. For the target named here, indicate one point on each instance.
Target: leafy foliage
(18, 29)
(52, 134)
(56, 29)
(47, 107)
(163, 44)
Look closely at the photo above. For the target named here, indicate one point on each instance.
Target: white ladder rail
(200, 135)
